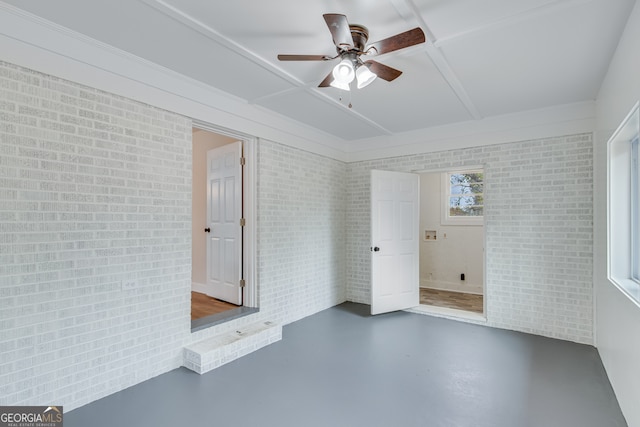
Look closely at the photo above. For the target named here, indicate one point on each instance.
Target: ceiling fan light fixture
(364, 76)
(339, 85)
(344, 72)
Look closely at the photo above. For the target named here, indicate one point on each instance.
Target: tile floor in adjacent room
(343, 367)
(448, 299)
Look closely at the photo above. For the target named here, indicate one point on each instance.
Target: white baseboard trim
(198, 287)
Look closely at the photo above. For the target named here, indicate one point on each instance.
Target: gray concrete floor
(342, 367)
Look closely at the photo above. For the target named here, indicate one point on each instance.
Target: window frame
(445, 181)
(623, 206)
(635, 211)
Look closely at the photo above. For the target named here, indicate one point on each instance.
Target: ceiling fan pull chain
(340, 99)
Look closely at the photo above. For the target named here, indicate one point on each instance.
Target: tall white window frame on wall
(623, 206)
(463, 197)
(635, 210)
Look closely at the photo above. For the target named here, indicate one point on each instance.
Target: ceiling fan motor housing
(360, 35)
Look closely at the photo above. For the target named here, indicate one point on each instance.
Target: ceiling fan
(351, 44)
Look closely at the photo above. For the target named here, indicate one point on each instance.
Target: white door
(224, 211)
(395, 216)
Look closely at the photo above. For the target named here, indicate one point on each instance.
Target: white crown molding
(523, 126)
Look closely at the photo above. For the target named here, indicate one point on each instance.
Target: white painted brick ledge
(208, 354)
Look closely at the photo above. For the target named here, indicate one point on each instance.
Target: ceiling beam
(442, 64)
(230, 44)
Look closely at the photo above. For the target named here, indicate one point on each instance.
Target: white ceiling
(483, 58)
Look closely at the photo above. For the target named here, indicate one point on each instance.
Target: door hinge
(242, 222)
(242, 283)
(243, 160)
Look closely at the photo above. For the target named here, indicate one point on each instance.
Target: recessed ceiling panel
(269, 29)
(539, 62)
(255, 23)
(144, 31)
(419, 98)
(330, 117)
(446, 18)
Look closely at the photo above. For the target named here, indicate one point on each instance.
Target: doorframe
(437, 311)
(249, 195)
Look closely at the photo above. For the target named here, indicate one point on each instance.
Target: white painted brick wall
(539, 213)
(301, 236)
(206, 355)
(95, 189)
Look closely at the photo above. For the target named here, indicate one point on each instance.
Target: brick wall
(301, 237)
(538, 225)
(95, 189)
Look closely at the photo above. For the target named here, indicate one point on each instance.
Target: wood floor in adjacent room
(448, 299)
(203, 305)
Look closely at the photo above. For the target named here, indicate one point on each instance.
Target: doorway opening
(223, 226)
(452, 242)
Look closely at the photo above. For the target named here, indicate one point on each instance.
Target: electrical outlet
(129, 284)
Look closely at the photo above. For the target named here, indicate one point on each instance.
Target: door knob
(375, 249)
(207, 230)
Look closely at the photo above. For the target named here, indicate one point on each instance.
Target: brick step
(210, 353)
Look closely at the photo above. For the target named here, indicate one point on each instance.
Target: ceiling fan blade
(327, 81)
(304, 57)
(339, 27)
(399, 41)
(383, 71)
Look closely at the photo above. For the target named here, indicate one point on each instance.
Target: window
(623, 207)
(463, 197)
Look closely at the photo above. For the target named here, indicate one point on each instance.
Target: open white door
(224, 212)
(395, 216)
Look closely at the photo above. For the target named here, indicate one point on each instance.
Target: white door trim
(250, 297)
(484, 236)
